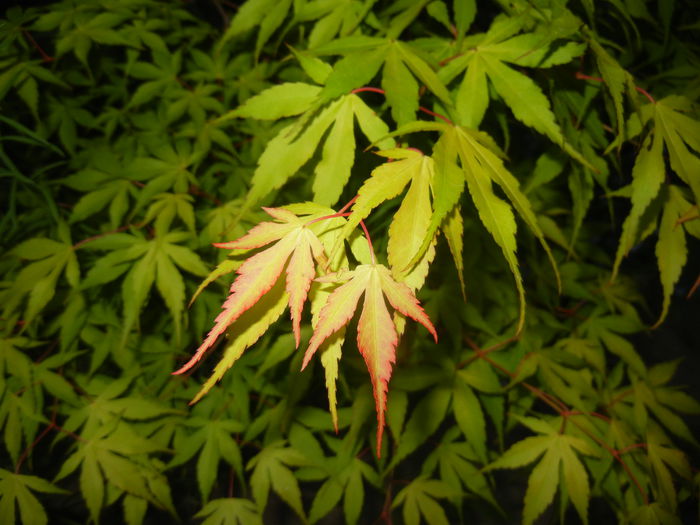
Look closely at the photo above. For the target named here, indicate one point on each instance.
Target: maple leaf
(376, 333)
(297, 142)
(296, 248)
(487, 55)
(656, 204)
(559, 465)
(481, 165)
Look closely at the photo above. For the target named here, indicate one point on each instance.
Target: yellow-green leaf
(333, 171)
(411, 221)
(385, 182)
(527, 102)
(673, 126)
(576, 480)
(647, 176)
(276, 102)
(542, 484)
(497, 217)
(472, 95)
(671, 249)
(453, 229)
(511, 187)
(400, 87)
(522, 453)
(285, 154)
(249, 327)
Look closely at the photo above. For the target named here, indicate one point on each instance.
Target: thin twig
(583, 76)
(44, 56)
(100, 235)
(421, 108)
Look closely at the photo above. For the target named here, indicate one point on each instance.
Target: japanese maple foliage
(294, 251)
(542, 157)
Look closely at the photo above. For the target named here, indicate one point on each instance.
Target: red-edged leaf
(258, 274)
(337, 311)
(255, 277)
(402, 299)
(281, 214)
(265, 232)
(377, 340)
(376, 332)
(300, 273)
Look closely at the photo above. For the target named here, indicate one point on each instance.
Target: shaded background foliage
(120, 167)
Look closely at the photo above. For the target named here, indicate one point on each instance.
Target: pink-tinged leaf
(258, 236)
(281, 214)
(376, 333)
(265, 232)
(300, 273)
(337, 311)
(260, 272)
(255, 277)
(249, 327)
(225, 267)
(377, 340)
(402, 299)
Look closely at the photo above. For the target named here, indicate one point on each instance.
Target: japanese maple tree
(354, 261)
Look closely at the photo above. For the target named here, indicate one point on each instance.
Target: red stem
(583, 76)
(369, 241)
(26, 451)
(695, 287)
(343, 213)
(332, 216)
(196, 190)
(100, 235)
(385, 514)
(437, 115)
(230, 482)
(350, 203)
(368, 89)
(594, 414)
(423, 109)
(632, 447)
(52, 425)
(619, 397)
(45, 57)
(449, 59)
(339, 213)
(646, 94)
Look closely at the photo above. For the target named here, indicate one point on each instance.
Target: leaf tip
(307, 357)
(225, 245)
(380, 434)
(184, 368)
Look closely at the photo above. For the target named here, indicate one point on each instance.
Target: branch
(561, 408)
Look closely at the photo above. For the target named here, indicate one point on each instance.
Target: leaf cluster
(174, 177)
